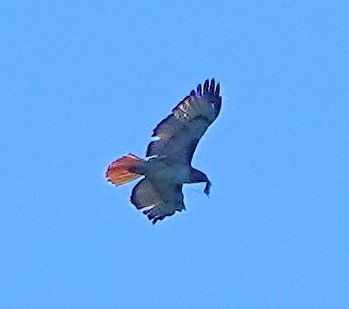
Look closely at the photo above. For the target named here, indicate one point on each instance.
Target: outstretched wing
(179, 134)
(158, 200)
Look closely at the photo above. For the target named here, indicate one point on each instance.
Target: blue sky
(83, 83)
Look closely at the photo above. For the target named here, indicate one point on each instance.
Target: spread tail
(120, 172)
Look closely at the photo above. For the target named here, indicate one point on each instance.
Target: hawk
(159, 193)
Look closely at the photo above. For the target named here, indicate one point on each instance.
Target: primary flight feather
(159, 193)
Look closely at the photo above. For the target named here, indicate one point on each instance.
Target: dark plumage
(159, 194)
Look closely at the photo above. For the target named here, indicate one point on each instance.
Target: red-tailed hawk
(159, 193)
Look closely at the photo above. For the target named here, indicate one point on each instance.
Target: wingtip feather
(206, 85)
(217, 90)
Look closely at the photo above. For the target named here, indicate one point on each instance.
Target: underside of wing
(157, 200)
(179, 134)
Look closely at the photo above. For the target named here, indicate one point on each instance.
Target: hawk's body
(160, 192)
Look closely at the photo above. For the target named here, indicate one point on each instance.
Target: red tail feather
(118, 172)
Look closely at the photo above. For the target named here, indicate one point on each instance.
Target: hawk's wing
(179, 134)
(158, 200)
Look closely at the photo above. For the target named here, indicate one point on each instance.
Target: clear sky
(84, 82)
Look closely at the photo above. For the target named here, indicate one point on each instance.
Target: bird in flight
(159, 193)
